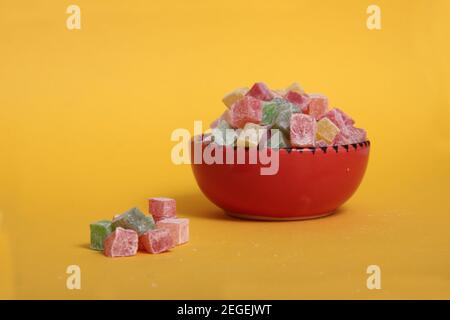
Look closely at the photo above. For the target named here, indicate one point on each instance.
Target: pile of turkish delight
(295, 118)
(131, 231)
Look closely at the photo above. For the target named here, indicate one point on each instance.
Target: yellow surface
(86, 117)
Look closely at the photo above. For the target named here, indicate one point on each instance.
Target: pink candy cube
(301, 100)
(179, 229)
(318, 105)
(260, 91)
(162, 208)
(303, 130)
(321, 143)
(245, 110)
(350, 135)
(339, 118)
(121, 243)
(356, 135)
(156, 241)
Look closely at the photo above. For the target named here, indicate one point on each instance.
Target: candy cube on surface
(161, 208)
(248, 109)
(99, 231)
(251, 135)
(317, 106)
(179, 229)
(135, 220)
(326, 130)
(156, 241)
(299, 99)
(303, 130)
(260, 91)
(121, 243)
(234, 96)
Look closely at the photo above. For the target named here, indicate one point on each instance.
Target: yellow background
(85, 123)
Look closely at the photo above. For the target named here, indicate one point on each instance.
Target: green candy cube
(135, 220)
(269, 113)
(278, 140)
(99, 231)
(283, 119)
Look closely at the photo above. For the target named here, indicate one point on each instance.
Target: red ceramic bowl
(310, 182)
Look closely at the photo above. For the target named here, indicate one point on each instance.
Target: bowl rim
(346, 147)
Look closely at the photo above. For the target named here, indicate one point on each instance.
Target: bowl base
(264, 218)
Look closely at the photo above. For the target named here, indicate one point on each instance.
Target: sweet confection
(156, 241)
(326, 130)
(317, 105)
(179, 229)
(303, 130)
(247, 109)
(162, 208)
(99, 231)
(251, 135)
(234, 96)
(293, 112)
(121, 243)
(135, 220)
(261, 92)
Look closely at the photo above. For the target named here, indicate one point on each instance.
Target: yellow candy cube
(234, 96)
(250, 135)
(295, 87)
(326, 130)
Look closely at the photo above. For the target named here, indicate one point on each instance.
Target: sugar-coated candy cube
(299, 99)
(99, 231)
(234, 96)
(347, 119)
(295, 87)
(321, 143)
(179, 229)
(285, 110)
(356, 135)
(251, 135)
(277, 139)
(248, 109)
(350, 135)
(156, 241)
(161, 208)
(326, 130)
(223, 134)
(121, 243)
(303, 130)
(260, 91)
(269, 112)
(339, 118)
(135, 220)
(340, 139)
(317, 106)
